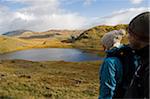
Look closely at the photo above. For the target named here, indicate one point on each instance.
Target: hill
(8, 44)
(16, 32)
(20, 40)
(90, 39)
(50, 34)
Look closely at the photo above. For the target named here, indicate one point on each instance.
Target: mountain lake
(52, 54)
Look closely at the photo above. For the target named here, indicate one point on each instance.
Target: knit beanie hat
(139, 27)
(112, 37)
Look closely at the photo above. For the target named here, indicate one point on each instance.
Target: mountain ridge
(16, 32)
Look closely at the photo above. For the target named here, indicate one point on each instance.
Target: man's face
(131, 39)
(133, 42)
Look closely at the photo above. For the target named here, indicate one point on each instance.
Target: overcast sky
(42, 15)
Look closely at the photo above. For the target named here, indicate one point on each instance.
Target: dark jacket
(139, 87)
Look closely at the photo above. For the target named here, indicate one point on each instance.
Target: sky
(43, 15)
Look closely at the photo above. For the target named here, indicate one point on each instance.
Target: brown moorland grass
(20, 79)
(10, 44)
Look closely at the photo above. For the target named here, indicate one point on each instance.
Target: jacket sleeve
(110, 70)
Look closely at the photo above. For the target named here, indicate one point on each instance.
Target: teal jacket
(110, 74)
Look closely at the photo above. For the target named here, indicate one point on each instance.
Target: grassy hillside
(49, 39)
(21, 79)
(50, 34)
(90, 39)
(8, 44)
(16, 32)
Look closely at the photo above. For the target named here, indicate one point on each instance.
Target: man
(125, 70)
(139, 40)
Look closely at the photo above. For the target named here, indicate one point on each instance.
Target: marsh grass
(21, 79)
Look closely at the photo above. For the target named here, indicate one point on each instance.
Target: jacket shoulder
(118, 52)
(112, 62)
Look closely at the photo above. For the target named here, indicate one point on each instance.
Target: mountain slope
(50, 34)
(16, 32)
(8, 44)
(90, 39)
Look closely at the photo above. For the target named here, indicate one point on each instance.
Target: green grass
(55, 80)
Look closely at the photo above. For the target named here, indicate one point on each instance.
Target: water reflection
(52, 54)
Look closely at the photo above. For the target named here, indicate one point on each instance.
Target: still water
(52, 54)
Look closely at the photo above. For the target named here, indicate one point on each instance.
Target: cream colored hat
(112, 37)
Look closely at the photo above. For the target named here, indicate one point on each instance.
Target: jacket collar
(143, 52)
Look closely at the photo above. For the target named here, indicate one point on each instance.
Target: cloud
(39, 15)
(42, 15)
(120, 17)
(88, 2)
(136, 1)
(25, 17)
